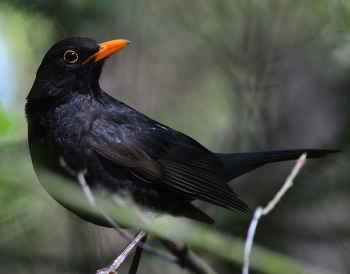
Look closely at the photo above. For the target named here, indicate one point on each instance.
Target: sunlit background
(235, 75)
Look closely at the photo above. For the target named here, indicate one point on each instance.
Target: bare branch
(260, 211)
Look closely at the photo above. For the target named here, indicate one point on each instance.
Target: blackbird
(122, 150)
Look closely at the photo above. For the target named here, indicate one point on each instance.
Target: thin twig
(113, 268)
(260, 211)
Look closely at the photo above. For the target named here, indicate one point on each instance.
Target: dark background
(235, 75)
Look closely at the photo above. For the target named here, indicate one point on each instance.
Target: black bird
(71, 118)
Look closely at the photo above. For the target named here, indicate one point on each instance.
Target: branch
(260, 211)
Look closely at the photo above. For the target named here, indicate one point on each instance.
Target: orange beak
(107, 49)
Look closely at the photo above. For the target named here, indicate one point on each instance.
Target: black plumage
(122, 150)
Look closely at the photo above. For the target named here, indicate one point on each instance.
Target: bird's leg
(113, 268)
(137, 257)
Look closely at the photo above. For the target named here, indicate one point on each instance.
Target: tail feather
(237, 164)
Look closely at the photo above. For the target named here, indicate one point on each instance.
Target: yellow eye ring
(70, 56)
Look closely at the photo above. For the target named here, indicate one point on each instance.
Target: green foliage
(5, 123)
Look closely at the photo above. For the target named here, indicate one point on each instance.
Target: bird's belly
(124, 184)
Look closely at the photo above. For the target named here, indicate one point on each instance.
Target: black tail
(237, 164)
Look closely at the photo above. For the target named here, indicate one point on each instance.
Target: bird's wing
(160, 155)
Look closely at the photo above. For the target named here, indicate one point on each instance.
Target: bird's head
(72, 65)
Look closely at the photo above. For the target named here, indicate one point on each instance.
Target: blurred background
(235, 75)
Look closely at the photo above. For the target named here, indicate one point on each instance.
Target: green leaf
(5, 123)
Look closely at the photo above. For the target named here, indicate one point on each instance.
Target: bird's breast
(61, 132)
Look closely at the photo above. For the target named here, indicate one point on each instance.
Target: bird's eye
(70, 56)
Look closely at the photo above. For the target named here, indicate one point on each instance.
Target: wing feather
(160, 155)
